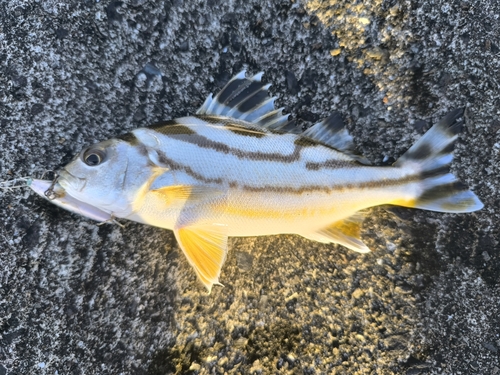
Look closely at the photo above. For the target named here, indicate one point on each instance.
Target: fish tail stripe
(439, 140)
(431, 157)
(443, 190)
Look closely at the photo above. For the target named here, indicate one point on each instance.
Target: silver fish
(238, 167)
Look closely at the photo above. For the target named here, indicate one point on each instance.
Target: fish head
(97, 175)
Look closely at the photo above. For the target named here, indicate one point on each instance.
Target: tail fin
(432, 156)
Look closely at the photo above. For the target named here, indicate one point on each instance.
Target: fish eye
(93, 157)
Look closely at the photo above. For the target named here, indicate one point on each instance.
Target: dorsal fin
(332, 132)
(248, 99)
(245, 99)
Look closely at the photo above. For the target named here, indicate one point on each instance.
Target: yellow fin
(205, 247)
(344, 232)
(175, 193)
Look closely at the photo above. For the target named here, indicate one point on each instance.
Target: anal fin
(205, 247)
(344, 232)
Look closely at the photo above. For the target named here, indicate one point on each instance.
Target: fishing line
(23, 182)
(16, 183)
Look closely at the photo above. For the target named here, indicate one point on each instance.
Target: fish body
(239, 168)
(255, 183)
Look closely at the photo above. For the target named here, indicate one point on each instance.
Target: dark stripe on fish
(442, 191)
(171, 128)
(204, 142)
(305, 142)
(291, 127)
(130, 138)
(334, 123)
(228, 121)
(330, 164)
(240, 130)
(439, 171)
(330, 189)
(173, 165)
(183, 133)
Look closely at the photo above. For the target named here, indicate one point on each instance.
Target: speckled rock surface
(76, 298)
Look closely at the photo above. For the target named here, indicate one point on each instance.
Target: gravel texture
(77, 298)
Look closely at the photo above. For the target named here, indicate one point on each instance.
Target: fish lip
(66, 180)
(66, 201)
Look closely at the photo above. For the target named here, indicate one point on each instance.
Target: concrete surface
(76, 298)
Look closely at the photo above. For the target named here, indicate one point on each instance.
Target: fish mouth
(55, 193)
(69, 181)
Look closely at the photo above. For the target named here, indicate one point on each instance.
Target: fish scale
(238, 167)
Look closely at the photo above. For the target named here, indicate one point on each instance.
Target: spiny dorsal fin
(332, 132)
(245, 99)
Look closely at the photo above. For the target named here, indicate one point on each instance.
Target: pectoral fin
(180, 193)
(205, 247)
(345, 232)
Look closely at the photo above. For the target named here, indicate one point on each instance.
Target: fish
(238, 167)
